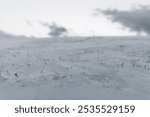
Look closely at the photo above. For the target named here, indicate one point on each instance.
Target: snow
(75, 68)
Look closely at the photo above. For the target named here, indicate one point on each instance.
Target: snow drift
(75, 68)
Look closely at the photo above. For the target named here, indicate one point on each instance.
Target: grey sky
(75, 15)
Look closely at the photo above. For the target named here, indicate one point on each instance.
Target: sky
(74, 17)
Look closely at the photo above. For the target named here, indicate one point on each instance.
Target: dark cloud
(137, 19)
(56, 30)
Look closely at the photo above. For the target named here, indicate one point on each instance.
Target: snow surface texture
(75, 68)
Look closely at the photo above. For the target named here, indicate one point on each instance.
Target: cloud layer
(137, 19)
(56, 30)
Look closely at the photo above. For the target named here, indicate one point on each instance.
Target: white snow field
(75, 68)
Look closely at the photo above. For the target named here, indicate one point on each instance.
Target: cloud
(29, 23)
(55, 29)
(137, 19)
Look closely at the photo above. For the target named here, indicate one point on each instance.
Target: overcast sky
(77, 17)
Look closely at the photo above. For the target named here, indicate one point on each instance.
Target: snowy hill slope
(75, 68)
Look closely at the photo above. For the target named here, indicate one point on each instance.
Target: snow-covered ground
(75, 68)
